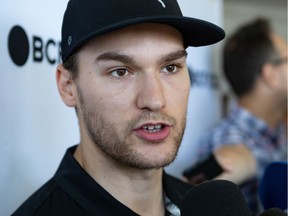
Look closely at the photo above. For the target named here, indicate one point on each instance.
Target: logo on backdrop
(19, 48)
(203, 79)
(18, 45)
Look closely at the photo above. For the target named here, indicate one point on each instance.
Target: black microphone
(214, 198)
(273, 212)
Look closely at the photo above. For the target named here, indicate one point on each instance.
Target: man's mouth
(152, 128)
(153, 132)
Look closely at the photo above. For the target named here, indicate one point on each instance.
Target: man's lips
(153, 132)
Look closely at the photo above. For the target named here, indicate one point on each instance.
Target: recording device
(206, 170)
(273, 212)
(214, 198)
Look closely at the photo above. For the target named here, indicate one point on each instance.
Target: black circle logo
(18, 45)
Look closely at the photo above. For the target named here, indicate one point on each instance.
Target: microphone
(273, 186)
(273, 212)
(214, 198)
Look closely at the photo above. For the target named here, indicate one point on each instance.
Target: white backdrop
(36, 127)
(204, 101)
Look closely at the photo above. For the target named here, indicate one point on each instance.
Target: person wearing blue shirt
(254, 133)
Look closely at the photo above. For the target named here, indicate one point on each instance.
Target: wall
(238, 12)
(35, 126)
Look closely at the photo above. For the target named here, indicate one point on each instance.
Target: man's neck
(263, 109)
(139, 190)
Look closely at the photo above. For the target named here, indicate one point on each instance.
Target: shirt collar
(84, 190)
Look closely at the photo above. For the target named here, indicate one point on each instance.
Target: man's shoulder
(177, 183)
(175, 188)
(46, 201)
(226, 132)
(36, 200)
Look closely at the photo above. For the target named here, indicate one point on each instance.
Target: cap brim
(195, 32)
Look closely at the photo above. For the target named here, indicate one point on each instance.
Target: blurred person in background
(253, 134)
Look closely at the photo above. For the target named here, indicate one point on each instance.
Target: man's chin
(157, 162)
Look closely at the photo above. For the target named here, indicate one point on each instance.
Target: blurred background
(237, 12)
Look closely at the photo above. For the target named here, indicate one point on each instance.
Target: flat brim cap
(86, 19)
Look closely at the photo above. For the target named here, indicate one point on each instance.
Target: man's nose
(151, 95)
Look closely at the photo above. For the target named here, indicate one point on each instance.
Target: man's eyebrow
(115, 56)
(174, 56)
(127, 59)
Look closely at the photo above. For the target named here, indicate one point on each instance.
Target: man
(124, 70)
(254, 133)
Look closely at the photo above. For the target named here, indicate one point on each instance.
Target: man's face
(281, 69)
(133, 88)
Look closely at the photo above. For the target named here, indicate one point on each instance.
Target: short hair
(245, 53)
(71, 64)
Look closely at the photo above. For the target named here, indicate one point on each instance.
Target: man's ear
(270, 75)
(66, 86)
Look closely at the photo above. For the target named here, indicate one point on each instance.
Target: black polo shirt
(72, 191)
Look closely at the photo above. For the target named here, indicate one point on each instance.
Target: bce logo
(19, 47)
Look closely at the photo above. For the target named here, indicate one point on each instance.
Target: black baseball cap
(85, 19)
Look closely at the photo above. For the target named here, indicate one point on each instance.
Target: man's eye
(121, 72)
(170, 69)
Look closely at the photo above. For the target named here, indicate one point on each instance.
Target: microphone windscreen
(216, 197)
(273, 212)
(273, 186)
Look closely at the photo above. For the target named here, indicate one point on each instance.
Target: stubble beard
(104, 136)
